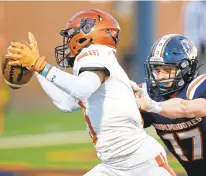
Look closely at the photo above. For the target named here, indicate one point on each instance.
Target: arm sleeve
(62, 100)
(80, 87)
(147, 117)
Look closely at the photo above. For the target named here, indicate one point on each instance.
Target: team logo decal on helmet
(89, 24)
(189, 48)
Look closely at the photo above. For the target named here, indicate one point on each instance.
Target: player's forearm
(180, 108)
(195, 108)
(61, 99)
(172, 108)
(80, 87)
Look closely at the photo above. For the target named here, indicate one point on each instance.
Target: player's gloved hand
(144, 101)
(26, 55)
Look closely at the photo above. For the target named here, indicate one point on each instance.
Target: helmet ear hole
(81, 40)
(100, 18)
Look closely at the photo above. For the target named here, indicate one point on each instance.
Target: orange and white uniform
(113, 119)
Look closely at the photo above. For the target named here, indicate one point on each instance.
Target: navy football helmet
(171, 50)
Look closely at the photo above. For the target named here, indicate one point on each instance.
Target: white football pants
(156, 167)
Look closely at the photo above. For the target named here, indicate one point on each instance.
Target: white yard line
(57, 138)
(49, 139)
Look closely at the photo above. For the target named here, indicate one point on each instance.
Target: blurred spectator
(195, 28)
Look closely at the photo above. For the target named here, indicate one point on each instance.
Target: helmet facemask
(63, 52)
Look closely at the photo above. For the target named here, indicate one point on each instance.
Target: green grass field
(26, 122)
(63, 156)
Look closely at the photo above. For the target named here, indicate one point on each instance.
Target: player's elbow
(62, 108)
(82, 94)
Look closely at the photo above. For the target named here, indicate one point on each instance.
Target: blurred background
(36, 138)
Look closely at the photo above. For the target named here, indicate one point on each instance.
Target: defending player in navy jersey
(176, 90)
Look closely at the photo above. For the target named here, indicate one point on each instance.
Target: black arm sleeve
(147, 117)
(104, 69)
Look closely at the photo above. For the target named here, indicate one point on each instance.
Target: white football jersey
(112, 116)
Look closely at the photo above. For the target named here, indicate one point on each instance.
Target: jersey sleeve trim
(194, 85)
(82, 69)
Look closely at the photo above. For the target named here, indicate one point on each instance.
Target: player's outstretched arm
(80, 87)
(173, 108)
(179, 108)
(195, 107)
(62, 100)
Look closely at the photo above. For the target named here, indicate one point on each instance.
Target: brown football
(15, 76)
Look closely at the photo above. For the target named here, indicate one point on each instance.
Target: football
(15, 76)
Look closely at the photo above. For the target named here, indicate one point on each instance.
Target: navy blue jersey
(184, 137)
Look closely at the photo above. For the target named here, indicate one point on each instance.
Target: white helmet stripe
(159, 48)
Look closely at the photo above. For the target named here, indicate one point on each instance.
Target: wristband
(45, 70)
(155, 107)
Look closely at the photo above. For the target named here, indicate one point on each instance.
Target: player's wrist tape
(45, 70)
(40, 64)
(155, 107)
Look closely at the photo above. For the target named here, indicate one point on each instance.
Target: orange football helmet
(85, 28)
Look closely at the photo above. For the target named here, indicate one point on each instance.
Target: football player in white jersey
(102, 89)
